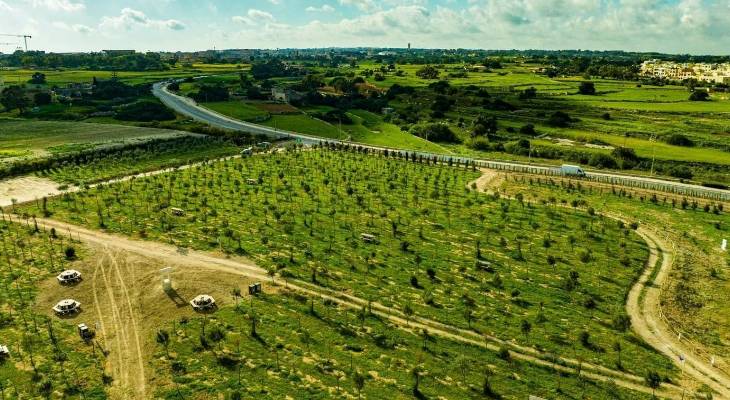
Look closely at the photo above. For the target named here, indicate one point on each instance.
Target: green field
(564, 272)
(239, 110)
(295, 352)
(150, 157)
(47, 358)
(62, 77)
(40, 138)
(694, 301)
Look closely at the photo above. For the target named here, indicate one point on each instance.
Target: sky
(671, 26)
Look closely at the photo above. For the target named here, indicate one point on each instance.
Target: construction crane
(25, 38)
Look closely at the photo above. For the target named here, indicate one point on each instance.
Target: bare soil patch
(26, 188)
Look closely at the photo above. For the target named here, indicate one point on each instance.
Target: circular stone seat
(203, 302)
(67, 306)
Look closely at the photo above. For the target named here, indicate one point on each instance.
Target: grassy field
(47, 358)
(303, 123)
(62, 77)
(317, 352)
(562, 273)
(40, 138)
(151, 157)
(694, 302)
(239, 110)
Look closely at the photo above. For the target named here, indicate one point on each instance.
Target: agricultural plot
(21, 138)
(66, 76)
(282, 345)
(153, 156)
(694, 301)
(47, 357)
(548, 276)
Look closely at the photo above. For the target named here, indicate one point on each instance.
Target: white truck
(572, 170)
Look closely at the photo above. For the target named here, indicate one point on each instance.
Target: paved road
(190, 108)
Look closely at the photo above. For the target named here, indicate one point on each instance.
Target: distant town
(706, 72)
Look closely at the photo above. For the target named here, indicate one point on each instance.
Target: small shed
(247, 151)
(84, 332)
(263, 145)
(69, 276)
(178, 212)
(254, 288)
(4, 351)
(203, 302)
(67, 306)
(251, 181)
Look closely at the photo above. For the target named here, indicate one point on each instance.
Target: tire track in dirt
(138, 354)
(118, 335)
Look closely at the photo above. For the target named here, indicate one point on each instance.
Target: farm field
(542, 275)
(281, 344)
(239, 110)
(149, 157)
(693, 302)
(22, 138)
(298, 347)
(62, 77)
(47, 357)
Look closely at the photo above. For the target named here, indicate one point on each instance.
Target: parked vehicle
(572, 170)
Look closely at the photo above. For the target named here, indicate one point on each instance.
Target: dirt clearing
(26, 188)
(123, 301)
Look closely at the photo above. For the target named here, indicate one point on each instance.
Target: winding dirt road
(647, 322)
(644, 308)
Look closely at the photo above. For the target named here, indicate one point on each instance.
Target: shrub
(587, 88)
(681, 172)
(42, 98)
(70, 253)
(699, 95)
(601, 160)
(435, 133)
(528, 129)
(679, 140)
(145, 111)
(559, 119)
(428, 72)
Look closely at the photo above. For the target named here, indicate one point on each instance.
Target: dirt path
(644, 308)
(488, 180)
(118, 328)
(647, 322)
(194, 259)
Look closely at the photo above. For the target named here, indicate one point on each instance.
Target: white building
(714, 73)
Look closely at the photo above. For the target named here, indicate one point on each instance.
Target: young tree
(653, 380)
(359, 381)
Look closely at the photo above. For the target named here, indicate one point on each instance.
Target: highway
(190, 108)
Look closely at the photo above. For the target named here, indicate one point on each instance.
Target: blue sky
(676, 26)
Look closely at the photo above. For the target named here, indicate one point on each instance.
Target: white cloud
(79, 28)
(243, 20)
(325, 8)
(58, 5)
(362, 5)
(254, 17)
(275, 2)
(5, 7)
(258, 14)
(130, 18)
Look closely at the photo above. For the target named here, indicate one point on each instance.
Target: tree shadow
(176, 298)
